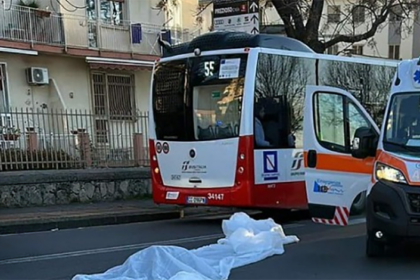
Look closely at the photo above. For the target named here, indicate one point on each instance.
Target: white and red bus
(226, 118)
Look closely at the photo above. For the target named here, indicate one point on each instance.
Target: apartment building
(93, 58)
(76, 46)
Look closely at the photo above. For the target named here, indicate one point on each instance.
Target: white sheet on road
(246, 241)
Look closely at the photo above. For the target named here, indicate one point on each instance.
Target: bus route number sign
(209, 68)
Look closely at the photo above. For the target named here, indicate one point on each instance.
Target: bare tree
(198, 15)
(303, 19)
(164, 6)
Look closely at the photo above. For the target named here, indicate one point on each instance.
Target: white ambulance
(384, 161)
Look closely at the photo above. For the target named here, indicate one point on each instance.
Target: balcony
(40, 27)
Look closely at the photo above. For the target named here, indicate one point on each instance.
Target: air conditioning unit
(37, 76)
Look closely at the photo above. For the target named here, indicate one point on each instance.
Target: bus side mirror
(364, 143)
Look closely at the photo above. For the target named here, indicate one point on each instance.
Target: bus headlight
(385, 172)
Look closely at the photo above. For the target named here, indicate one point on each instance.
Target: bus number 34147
(215, 196)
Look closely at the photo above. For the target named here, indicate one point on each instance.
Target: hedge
(17, 159)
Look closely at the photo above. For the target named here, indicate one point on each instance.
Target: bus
(226, 118)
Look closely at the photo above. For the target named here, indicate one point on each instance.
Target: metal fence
(68, 139)
(38, 26)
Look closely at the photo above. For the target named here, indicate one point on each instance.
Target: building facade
(395, 39)
(80, 66)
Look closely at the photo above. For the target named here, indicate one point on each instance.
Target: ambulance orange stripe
(342, 163)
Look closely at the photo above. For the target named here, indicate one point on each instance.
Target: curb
(89, 221)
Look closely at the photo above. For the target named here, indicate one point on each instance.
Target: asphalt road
(324, 252)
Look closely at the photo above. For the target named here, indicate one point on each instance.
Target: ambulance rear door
(333, 176)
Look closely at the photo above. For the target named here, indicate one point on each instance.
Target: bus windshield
(403, 124)
(199, 98)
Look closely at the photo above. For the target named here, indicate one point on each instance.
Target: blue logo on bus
(270, 166)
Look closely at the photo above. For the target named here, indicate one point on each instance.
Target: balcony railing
(36, 26)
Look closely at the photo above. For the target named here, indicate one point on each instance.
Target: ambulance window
(329, 121)
(356, 120)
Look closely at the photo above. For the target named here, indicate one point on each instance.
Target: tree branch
(295, 13)
(314, 19)
(359, 37)
(285, 15)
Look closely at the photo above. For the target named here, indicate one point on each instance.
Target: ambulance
(385, 161)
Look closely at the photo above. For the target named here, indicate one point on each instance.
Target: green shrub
(17, 159)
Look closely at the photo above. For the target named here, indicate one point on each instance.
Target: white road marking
(109, 249)
(191, 216)
(119, 248)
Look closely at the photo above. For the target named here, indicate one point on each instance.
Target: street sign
(236, 15)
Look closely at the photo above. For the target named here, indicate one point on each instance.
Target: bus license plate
(196, 200)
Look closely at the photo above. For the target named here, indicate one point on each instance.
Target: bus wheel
(359, 204)
(373, 247)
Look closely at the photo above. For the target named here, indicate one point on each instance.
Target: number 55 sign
(209, 68)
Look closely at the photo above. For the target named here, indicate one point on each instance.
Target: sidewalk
(83, 215)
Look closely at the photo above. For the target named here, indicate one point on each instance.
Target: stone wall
(42, 188)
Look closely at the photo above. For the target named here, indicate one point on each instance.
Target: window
(113, 99)
(168, 99)
(332, 50)
(358, 14)
(279, 99)
(113, 95)
(416, 13)
(330, 120)
(101, 131)
(356, 49)
(333, 14)
(111, 11)
(396, 14)
(217, 96)
(403, 124)
(4, 96)
(217, 110)
(369, 3)
(199, 98)
(356, 120)
(394, 51)
(336, 120)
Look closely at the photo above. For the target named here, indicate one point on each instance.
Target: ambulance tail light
(388, 173)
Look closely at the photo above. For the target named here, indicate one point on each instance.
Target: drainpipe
(98, 21)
